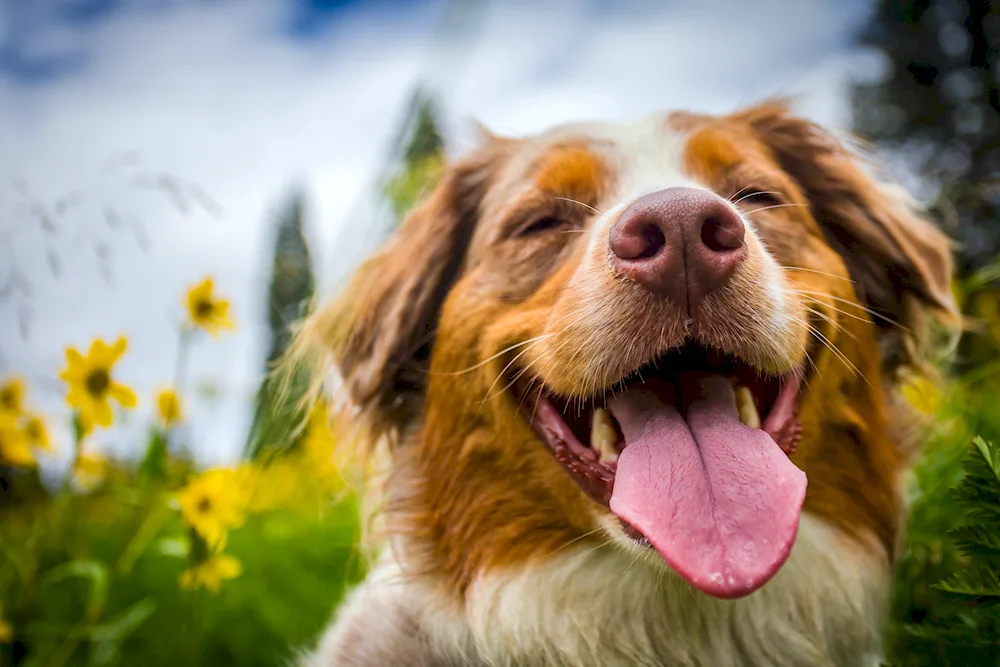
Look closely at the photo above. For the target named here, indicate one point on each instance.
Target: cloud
(223, 97)
(213, 95)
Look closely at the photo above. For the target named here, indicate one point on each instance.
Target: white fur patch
(607, 607)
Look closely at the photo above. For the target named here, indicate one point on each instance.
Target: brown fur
(889, 268)
(430, 330)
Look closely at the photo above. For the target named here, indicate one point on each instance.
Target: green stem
(78, 436)
(180, 365)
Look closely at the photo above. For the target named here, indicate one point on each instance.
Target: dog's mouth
(690, 452)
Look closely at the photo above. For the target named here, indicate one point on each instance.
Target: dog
(638, 390)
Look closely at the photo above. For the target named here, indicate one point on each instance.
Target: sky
(145, 144)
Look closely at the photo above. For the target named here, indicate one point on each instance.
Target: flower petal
(17, 453)
(75, 396)
(228, 566)
(200, 292)
(117, 350)
(98, 353)
(99, 413)
(125, 396)
(75, 365)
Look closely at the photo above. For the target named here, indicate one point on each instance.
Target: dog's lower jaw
(602, 606)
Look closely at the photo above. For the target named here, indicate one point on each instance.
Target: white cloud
(212, 93)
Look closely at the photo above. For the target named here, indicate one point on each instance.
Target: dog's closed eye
(542, 225)
(760, 198)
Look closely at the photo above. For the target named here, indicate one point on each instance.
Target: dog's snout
(681, 243)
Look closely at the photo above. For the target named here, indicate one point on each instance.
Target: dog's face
(649, 334)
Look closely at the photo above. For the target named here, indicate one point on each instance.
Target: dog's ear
(379, 332)
(901, 263)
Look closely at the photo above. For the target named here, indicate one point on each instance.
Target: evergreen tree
(420, 148)
(939, 107)
(278, 413)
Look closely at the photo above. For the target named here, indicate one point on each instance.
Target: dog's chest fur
(587, 606)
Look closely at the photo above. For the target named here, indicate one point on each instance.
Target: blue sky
(235, 101)
(29, 23)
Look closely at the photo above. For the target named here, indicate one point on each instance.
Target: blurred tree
(939, 108)
(418, 156)
(279, 413)
(421, 155)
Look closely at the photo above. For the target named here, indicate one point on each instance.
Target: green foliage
(91, 579)
(279, 414)
(947, 584)
(938, 105)
(421, 157)
(425, 140)
(409, 186)
(979, 493)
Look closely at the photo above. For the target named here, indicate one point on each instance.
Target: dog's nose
(680, 243)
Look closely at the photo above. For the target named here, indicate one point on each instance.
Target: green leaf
(978, 541)
(980, 581)
(93, 571)
(153, 463)
(107, 637)
(991, 455)
(124, 624)
(979, 494)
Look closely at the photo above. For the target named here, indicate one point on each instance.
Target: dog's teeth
(603, 435)
(747, 408)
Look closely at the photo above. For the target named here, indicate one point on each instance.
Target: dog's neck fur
(604, 606)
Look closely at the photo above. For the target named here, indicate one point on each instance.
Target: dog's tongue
(717, 499)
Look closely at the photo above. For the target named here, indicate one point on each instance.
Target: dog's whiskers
(767, 208)
(584, 204)
(752, 194)
(833, 348)
(575, 539)
(873, 313)
(817, 271)
(489, 392)
(738, 192)
(831, 321)
(521, 372)
(491, 358)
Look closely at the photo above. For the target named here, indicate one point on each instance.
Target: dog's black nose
(681, 243)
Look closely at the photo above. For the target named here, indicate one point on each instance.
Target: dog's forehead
(600, 165)
(636, 157)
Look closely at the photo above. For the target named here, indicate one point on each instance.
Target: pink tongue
(717, 499)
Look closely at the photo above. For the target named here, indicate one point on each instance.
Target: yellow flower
(14, 447)
(91, 469)
(318, 446)
(6, 632)
(207, 311)
(36, 432)
(215, 502)
(923, 395)
(12, 395)
(280, 483)
(210, 573)
(168, 407)
(91, 384)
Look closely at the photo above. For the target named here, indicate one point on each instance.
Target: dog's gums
(679, 453)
